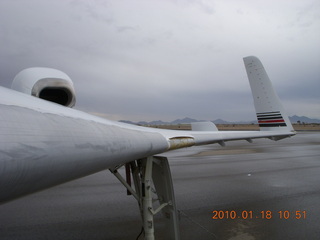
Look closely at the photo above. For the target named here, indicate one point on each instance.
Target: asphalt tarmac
(264, 190)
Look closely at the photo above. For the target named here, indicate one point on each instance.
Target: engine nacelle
(46, 83)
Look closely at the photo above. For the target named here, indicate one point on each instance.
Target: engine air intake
(46, 83)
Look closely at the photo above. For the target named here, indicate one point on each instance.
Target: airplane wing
(272, 119)
(43, 144)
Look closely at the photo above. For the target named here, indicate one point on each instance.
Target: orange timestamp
(283, 214)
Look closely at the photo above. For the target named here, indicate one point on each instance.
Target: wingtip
(247, 58)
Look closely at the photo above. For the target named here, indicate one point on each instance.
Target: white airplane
(43, 144)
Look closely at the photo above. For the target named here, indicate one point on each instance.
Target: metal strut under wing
(148, 173)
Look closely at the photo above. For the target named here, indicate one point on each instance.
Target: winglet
(270, 112)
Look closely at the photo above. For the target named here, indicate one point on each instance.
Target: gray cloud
(146, 60)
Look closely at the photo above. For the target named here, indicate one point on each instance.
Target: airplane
(45, 142)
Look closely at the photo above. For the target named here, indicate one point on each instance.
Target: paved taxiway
(242, 177)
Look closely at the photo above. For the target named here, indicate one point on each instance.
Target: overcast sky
(167, 59)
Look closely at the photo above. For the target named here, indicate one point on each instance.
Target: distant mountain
(159, 122)
(220, 121)
(303, 119)
(186, 120)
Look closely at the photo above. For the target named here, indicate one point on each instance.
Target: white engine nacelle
(46, 83)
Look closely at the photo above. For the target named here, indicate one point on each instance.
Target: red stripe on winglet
(272, 121)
